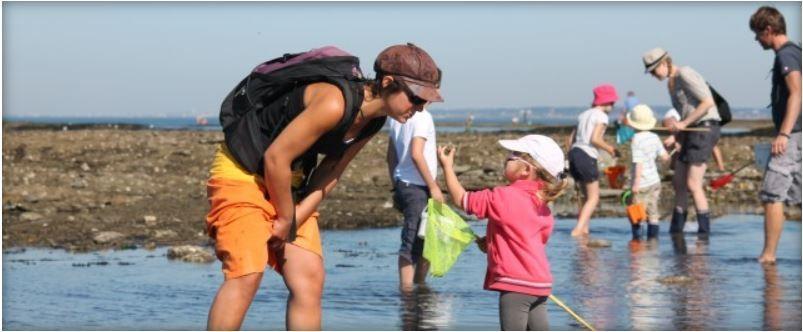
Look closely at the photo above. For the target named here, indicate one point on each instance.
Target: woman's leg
(591, 197)
(695, 183)
(304, 276)
(232, 302)
(680, 184)
(717, 154)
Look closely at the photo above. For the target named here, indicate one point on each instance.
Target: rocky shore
(104, 186)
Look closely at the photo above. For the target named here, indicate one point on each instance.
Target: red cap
(604, 94)
(414, 66)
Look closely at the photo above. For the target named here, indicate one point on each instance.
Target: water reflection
(593, 282)
(644, 291)
(423, 309)
(693, 294)
(773, 293)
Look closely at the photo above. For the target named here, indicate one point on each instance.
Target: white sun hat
(672, 114)
(641, 117)
(543, 149)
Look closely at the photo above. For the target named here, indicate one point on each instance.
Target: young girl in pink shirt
(519, 225)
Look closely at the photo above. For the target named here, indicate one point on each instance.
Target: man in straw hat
(782, 178)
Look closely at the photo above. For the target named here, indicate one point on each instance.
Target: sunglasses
(517, 156)
(415, 100)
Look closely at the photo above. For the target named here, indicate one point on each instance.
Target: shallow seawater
(695, 284)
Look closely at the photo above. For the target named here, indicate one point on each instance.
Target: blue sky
(181, 59)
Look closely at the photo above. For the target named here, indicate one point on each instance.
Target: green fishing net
(447, 235)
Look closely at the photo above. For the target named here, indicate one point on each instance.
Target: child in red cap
(583, 154)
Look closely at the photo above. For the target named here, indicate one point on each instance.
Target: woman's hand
(278, 239)
(281, 229)
(446, 155)
(678, 126)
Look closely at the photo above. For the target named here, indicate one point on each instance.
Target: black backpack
(722, 107)
(257, 110)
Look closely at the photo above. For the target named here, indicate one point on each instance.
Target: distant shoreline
(13, 125)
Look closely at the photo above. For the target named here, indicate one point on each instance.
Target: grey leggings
(519, 312)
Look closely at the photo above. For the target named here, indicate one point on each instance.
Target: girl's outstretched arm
(456, 190)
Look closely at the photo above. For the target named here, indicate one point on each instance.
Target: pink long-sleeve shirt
(519, 225)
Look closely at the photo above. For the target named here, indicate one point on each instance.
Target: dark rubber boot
(636, 231)
(704, 223)
(652, 231)
(678, 220)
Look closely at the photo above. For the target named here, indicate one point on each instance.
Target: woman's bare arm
(325, 108)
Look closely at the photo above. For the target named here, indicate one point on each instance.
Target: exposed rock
(107, 237)
(134, 172)
(78, 184)
(149, 220)
(30, 216)
(164, 233)
(191, 254)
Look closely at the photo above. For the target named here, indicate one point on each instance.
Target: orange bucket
(636, 213)
(615, 176)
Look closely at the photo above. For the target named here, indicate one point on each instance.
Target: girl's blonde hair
(554, 187)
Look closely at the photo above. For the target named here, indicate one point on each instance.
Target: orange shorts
(240, 220)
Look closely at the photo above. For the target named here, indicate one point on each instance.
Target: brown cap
(414, 66)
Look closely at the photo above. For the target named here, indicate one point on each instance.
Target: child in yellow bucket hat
(646, 182)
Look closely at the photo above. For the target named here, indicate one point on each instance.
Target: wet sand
(96, 186)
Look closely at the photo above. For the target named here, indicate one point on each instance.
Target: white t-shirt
(586, 122)
(645, 148)
(419, 125)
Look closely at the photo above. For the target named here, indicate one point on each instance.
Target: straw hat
(641, 117)
(652, 58)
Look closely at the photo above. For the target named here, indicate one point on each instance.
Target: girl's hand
(482, 244)
(446, 155)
